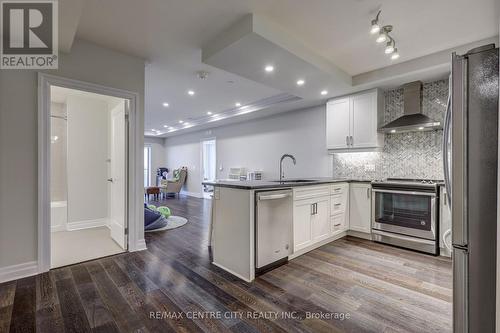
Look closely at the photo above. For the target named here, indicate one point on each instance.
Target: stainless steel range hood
(413, 119)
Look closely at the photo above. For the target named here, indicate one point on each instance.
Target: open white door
(118, 174)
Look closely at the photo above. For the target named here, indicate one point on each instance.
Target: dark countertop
(262, 184)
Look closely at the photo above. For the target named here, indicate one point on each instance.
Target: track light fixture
(384, 37)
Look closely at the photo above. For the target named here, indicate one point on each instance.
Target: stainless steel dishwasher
(273, 227)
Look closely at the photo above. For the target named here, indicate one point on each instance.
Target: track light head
(395, 54)
(389, 48)
(375, 26)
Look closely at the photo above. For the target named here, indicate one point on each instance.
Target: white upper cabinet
(352, 122)
(338, 119)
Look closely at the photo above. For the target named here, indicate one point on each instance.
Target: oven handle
(428, 194)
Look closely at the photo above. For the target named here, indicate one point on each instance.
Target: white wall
(88, 151)
(58, 149)
(158, 158)
(258, 144)
(18, 138)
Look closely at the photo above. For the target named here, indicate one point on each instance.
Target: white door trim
(135, 213)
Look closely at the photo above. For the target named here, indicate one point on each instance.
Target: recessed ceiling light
(154, 130)
(190, 92)
(393, 131)
(181, 121)
(421, 128)
(186, 124)
(209, 113)
(165, 104)
(238, 104)
(166, 126)
(269, 68)
(324, 92)
(300, 82)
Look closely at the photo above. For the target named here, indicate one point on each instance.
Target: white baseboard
(193, 194)
(57, 228)
(139, 246)
(18, 271)
(87, 224)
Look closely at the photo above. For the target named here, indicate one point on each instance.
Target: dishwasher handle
(273, 196)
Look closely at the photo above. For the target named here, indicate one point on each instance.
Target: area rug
(172, 223)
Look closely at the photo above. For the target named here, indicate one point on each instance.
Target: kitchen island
(320, 214)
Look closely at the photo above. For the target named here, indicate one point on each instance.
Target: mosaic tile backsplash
(405, 155)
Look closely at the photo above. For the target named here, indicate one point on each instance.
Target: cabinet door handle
(352, 141)
(368, 193)
(347, 140)
(312, 209)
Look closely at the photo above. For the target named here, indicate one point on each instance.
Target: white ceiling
(171, 33)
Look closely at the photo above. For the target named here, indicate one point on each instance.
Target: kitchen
(260, 225)
(371, 180)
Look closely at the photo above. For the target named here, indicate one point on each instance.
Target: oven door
(405, 212)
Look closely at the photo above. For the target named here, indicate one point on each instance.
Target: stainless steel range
(405, 213)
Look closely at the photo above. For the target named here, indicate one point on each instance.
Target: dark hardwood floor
(376, 288)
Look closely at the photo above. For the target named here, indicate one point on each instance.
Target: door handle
(446, 137)
(274, 196)
(314, 209)
(110, 180)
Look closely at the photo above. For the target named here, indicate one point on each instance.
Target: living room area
(166, 183)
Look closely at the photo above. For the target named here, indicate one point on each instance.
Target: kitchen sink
(294, 181)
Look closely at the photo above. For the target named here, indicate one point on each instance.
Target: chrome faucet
(282, 174)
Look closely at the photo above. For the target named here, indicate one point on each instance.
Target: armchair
(175, 184)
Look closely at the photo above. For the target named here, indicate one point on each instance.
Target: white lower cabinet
(338, 223)
(319, 212)
(320, 220)
(360, 203)
(302, 233)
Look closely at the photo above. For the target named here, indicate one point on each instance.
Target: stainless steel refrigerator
(471, 167)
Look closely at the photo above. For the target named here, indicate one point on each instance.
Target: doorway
(208, 165)
(90, 180)
(88, 175)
